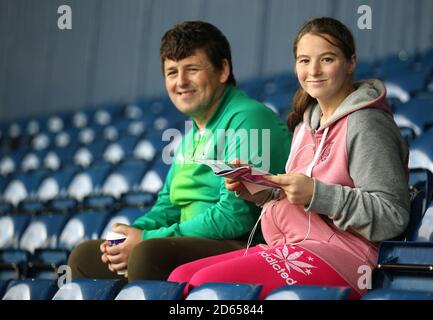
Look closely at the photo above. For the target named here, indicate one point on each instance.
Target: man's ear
(225, 71)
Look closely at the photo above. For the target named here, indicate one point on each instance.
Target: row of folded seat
(27, 192)
(104, 289)
(403, 265)
(144, 148)
(102, 123)
(36, 245)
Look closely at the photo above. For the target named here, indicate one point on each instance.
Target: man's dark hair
(184, 38)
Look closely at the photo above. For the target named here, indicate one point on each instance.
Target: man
(195, 216)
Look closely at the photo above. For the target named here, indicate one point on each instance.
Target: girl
(345, 188)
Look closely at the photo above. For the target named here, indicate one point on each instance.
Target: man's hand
(231, 184)
(117, 256)
(297, 186)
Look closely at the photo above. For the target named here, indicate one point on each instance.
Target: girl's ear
(352, 64)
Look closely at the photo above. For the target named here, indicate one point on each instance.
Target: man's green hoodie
(193, 201)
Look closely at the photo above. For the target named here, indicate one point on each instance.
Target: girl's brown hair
(342, 38)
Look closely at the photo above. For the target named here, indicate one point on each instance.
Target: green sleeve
(163, 212)
(270, 155)
(230, 218)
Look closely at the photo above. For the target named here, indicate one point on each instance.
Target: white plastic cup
(113, 239)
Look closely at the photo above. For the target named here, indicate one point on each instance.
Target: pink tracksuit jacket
(360, 184)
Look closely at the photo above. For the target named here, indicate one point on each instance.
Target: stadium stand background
(82, 112)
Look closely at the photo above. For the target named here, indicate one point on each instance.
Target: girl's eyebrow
(322, 54)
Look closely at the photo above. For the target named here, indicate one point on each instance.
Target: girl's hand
(297, 186)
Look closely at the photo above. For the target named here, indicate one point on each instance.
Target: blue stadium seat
(252, 87)
(11, 228)
(309, 293)
(32, 160)
(6, 208)
(154, 179)
(396, 64)
(387, 294)
(31, 205)
(3, 286)
(86, 155)
(55, 123)
(133, 111)
(120, 149)
(89, 289)
(13, 263)
(23, 185)
(125, 216)
(56, 183)
(416, 114)
(280, 103)
(43, 141)
(99, 202)
(408, 134)
(30, 289)
(10, 162)
(417, 210)
(84, 225)
(424, 229)
(148, 147)
(137, 199)
(43, 232)
(412, 82)
(421, 152)
(62, 205)
(82, 118)
(88, 181)
(365, 70)
(125, 177)
(225, 291)
(282, 82)
(4, 181)
(422, 179)
(88, 135)
(137, 128)
(45, 263)
(404, 266)
(151, 290)
(426, 60)
(57, 158)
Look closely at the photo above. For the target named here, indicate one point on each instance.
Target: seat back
(151, 290)
(422, 179)
(387, 294)
(404, 266)
(125, 216)
(88, 289)
(11, 228)
(225, 291)
(43, 231)
(30, 289)
(309, 293)
(84, 225)
(424, 229)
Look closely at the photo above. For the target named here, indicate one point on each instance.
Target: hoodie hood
(368, 94)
